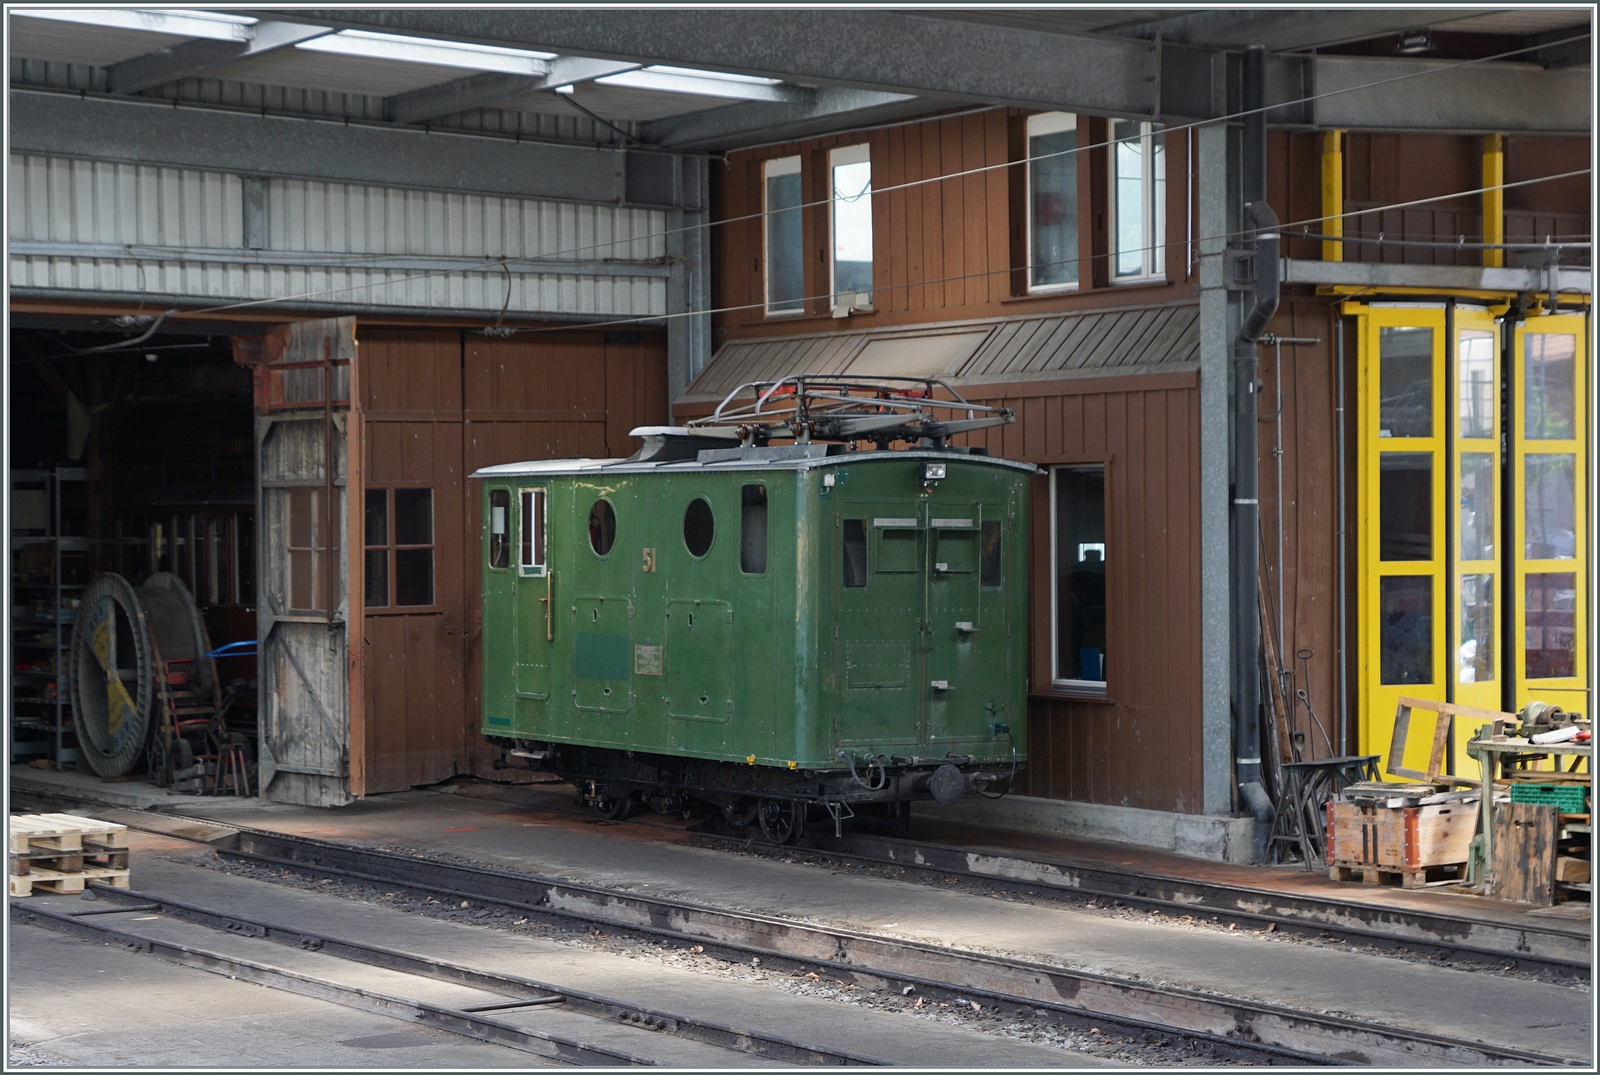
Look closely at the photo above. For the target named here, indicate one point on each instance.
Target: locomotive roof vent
(920, 411)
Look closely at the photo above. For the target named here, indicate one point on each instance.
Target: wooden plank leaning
(1444, 714)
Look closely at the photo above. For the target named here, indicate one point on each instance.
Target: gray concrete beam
(144, 132)
(1448, 96)
(1289, 27)
(891, 51)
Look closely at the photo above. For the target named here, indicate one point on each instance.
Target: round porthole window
(698, 527)
(602, 527)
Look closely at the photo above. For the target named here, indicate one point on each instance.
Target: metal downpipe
(1246, 454)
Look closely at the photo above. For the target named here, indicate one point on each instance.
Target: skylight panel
(725, 76)
(207, 24)
(379, 46)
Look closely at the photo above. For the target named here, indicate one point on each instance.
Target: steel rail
(1529, 946)
(721, 1035)
(456, 1021)
(1230, 1021)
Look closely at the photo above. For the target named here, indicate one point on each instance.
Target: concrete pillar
(1217, 184)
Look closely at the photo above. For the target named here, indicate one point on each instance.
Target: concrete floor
(80, 1004)
(292, 1030)
(514, 828)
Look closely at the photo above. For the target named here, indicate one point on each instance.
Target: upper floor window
(783, 237)
(850, 267)
(1052, 201)
(1138, 200)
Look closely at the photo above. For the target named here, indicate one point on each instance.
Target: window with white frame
(783, 237)
(850, 263)
(1078, 563)
(1138, 200)
(1052, 201)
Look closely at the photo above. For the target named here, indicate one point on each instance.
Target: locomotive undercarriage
(777, 800)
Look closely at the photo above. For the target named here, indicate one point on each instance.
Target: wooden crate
(1413, 846)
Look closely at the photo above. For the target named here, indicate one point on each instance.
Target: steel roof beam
(732, 126)
(192, 58)
(491, 87)
(140, 131)
(888, 51)
(1287, 28)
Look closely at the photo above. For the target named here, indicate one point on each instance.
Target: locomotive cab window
(854, 560)
(699, 527)
(602, 527)
(753, 529)
(989, 555)
(499, 528)
(531, 558)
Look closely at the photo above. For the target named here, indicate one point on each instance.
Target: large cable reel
(120, 640)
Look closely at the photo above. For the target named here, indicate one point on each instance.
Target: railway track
(1525, 946)
(1267, 1032)
(504, 1009)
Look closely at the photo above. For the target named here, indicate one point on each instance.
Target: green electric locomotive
(829, 623)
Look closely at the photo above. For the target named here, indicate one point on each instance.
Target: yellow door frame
(1376, 576)
(1492, 572)
(1572, 691)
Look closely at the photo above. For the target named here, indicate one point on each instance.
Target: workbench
(1491, 754)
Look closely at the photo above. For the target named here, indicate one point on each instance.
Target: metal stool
(1302, 806)
(231, 767)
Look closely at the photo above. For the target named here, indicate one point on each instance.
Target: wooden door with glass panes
(1476, 667)
(1403, 418)
(1454, 604)
(1550, 469)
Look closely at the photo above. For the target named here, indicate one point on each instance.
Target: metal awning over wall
(1129, 340)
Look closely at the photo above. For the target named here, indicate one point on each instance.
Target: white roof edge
(543, 467)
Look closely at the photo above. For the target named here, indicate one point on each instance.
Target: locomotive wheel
(781, 821)
(615, 809)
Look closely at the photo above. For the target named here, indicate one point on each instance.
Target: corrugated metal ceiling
(318, 65)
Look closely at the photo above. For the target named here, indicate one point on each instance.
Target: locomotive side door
(534, 620)
(879, 658)
(968, 670)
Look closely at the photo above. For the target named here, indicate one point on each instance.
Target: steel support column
(1219, 321)
(689, 286)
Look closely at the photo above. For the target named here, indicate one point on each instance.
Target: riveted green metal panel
(653, 648)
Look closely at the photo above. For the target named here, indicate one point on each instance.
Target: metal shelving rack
(35, 707)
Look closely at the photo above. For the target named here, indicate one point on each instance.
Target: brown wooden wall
(1384, 169)
(439, 404)
(942, 251)
(1140, 746)
(1310, 501)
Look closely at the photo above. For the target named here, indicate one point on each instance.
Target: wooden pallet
(54, 881)
(61, 853)
(69, 861)
(1368, 874)
(62, 832)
